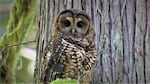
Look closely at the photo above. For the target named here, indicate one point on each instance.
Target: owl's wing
(54, 67)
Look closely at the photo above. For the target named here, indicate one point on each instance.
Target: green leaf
(64, 81)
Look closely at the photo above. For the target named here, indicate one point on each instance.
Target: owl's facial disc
(66, 24)
(74, 24)
(82, 25)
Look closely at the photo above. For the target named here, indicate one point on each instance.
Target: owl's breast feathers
(71, 58)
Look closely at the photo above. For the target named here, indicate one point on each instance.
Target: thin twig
(16, 45)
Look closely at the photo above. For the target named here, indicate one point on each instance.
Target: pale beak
(73, 31)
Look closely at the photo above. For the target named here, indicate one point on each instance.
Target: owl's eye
(80, 24)
(66, 23)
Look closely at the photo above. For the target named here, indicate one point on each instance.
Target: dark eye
(80, 24)
(66, 23)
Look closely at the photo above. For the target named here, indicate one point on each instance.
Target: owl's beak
(73, 31)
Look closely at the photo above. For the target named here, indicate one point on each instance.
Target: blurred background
(5, 6)
(26, 61)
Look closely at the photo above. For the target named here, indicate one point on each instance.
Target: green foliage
(64, 81)
(21, 20)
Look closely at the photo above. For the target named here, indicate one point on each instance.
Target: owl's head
(73, 22)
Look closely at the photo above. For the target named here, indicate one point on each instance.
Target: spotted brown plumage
(71, 50)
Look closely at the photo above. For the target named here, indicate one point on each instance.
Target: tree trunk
(122, 36)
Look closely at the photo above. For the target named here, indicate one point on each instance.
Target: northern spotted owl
(71, 51)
